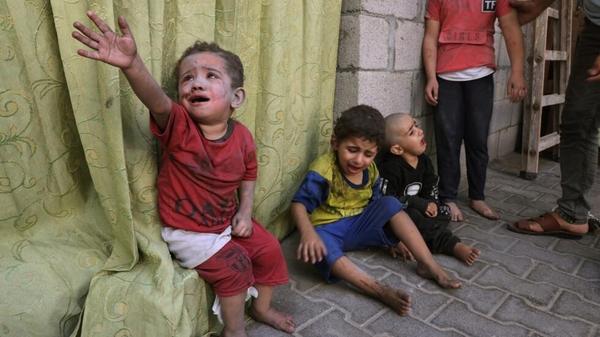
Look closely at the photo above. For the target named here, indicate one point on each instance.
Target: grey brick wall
(380, 64)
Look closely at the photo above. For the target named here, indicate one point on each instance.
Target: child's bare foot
(396, 299)
(466, 254)
(481, 207)
(275, 318)
(455, 212)
(439, 276)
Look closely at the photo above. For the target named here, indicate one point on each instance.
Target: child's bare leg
(396, 299)
(262, 311)
(232, 312)
(466, 254)
(427, 267)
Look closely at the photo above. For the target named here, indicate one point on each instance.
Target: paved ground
(520, 286)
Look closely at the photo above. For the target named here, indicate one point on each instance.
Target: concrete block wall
(380, 64)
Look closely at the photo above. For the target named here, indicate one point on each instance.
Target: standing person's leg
(449, 127)
(579, 130)
(479, 104)
(578, 147)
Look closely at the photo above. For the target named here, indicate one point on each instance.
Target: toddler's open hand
(311, 248)
(241, 225)
(107, 46)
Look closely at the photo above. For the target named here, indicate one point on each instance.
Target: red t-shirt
(199, 178)
(466, 38)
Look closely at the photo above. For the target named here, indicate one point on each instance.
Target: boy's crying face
(354, 155)
(204, 88)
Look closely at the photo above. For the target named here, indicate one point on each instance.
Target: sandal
(549, 224)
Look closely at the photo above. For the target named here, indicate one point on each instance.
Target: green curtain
(80, 246)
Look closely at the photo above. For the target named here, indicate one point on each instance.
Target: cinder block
(408, 40)
(507, 140)
(493, 145)
(501, 52)
(398, 8)
(346, 91)
(500, 78)
(516, 114)
(501, 115)
(374, 43)
(420, 106)
(388, 92)
(349, 44)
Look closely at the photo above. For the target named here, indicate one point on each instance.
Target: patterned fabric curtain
(79, 231)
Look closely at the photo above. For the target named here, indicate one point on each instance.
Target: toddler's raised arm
(121, 51)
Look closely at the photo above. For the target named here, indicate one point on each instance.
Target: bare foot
(396, 299)
(481, 207)
(439, 276)
(274, 318)
(466, 254)
(455, 213)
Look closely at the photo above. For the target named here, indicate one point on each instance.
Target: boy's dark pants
(463, 112)
(579, 130)
(435, 232)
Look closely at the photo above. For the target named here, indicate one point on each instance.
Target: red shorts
(243, 262)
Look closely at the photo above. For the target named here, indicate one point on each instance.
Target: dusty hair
(233, 64)
(361, 121)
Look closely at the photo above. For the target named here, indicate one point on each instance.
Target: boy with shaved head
(409, 176)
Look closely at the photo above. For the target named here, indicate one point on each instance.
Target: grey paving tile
(532, 212)
(575, 248)
(491, 239)
(589, 270)
(423, 303)
(518, 193)
(563, 262)
(407, 327)
(548, 179)
(548, 192)
(371, 267)
(305, 275)
(517, 310)
(590, 240)
(506, 206)
(588, 289)
(457, 267)
(343, 296)
(479, 222)
(570, 305)
(407, 270)
(514, 264)
(458, 315)
(480, 299)
(255, 329)
(333, 324)
(303, 308)
(537, 293)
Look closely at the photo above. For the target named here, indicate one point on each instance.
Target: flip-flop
(549, 224)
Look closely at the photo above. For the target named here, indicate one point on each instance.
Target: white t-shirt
(467, 74)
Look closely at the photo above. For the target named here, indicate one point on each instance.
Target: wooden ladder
(558, 18)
